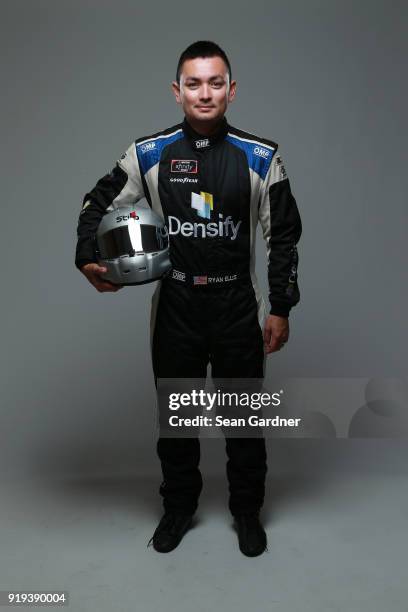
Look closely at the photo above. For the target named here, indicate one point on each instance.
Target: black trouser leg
(246, 472)
(179, 352)
(191, 328)
(238, 352)
(182, 481)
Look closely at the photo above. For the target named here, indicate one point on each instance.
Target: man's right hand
(93, 272)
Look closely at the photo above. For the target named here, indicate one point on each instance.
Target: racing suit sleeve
(123, 185)
(282, 227)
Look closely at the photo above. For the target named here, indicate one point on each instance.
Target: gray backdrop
(79, 498)
(81, 80)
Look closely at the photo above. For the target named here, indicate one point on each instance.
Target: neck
(205, 128)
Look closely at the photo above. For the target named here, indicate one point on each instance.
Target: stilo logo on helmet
(131, 215)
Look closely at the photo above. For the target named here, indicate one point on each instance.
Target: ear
(176, 90)
(232, 91)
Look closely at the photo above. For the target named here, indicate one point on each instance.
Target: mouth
(204, 107)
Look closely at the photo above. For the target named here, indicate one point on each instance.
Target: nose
(205, 92)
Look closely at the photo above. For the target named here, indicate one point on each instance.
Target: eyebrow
(212, 78)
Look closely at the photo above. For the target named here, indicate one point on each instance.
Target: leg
(238, 353)
(178, 352)
(246, 471)
(182, 480)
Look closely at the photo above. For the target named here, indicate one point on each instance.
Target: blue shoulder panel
(149, 151)
(259, 155)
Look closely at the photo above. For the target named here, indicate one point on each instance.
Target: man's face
(204, 90)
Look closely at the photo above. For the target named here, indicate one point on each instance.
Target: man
(211, 183)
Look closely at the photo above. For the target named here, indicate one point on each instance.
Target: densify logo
(203, 203)
(222, 228)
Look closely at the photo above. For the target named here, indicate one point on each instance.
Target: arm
(282, 228)
(122, 185)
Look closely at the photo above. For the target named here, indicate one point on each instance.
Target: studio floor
(337, 541)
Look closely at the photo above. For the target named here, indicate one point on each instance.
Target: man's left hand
(276, 333)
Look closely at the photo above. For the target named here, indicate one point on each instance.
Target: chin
(214, 115)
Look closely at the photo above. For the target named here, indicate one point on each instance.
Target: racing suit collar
(200, 142)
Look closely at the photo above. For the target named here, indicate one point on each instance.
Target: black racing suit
(211, 191)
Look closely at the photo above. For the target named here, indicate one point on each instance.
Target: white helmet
(132, 243)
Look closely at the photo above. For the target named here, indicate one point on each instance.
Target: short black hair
(202, 48)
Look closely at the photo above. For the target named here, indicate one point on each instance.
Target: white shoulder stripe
(161, 136)
(257, 142)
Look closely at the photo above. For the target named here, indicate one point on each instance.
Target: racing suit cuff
(81, 262)
(280, 309)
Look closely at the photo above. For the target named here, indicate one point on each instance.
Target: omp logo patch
(177, 275)
(148, 146)
(201, 144)
(185, 166)
(261, 152)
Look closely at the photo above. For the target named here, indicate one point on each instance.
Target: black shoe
(170, 531)
(251, 535)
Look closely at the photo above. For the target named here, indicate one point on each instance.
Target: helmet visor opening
(119, 241)
(153, 238)
(115, 243)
